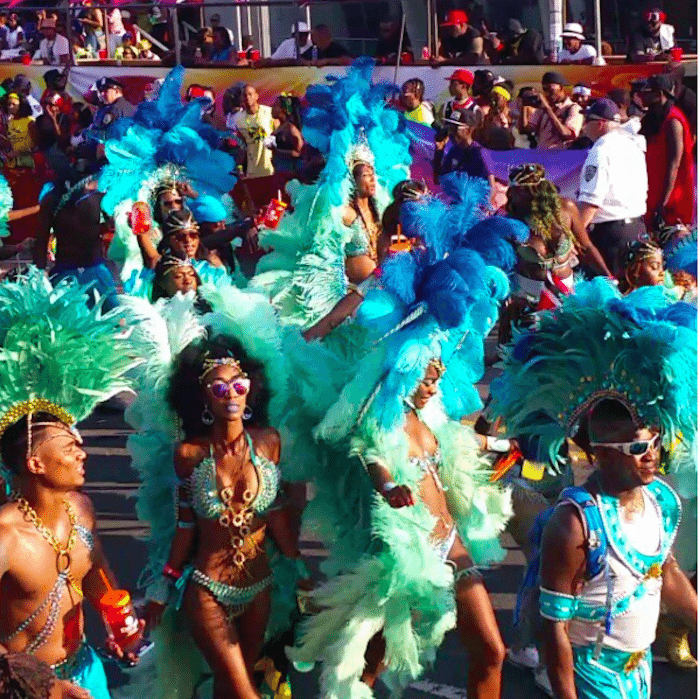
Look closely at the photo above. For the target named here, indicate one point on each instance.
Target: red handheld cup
(26, 59)
(676, 54)
(406, 58)
(242, 55)
(102, 53)
(255, 55)
(140, 218)
(272, 215)
(118, 614)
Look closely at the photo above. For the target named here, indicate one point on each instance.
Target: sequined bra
(204, 493)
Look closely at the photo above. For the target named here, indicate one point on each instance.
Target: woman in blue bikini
(228, 484)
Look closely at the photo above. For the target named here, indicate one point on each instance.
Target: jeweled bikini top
(204, 492)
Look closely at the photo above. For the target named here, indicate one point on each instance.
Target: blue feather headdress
(438, 300)
(164, 140)
(640, 349)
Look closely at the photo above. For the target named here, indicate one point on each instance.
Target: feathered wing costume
(386, 575)
(168, 326)
(164, 141)
(349, 122)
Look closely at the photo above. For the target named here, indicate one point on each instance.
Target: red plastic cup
(26, 59)
(118, 614)
(272, 215)
(676, 54)
(406, 58)
(242, 55)
(102, 53)
(140, 218)
(255, 55)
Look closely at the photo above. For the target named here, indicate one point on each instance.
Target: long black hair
(185, 391)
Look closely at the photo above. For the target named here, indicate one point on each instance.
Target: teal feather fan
(640, 349)
(304, 275)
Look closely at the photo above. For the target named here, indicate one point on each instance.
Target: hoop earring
(207, 416)
(247, 413)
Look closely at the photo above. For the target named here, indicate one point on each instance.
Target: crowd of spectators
(100, 33)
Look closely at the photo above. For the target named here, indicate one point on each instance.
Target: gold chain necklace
(63, 557)
(238, 519)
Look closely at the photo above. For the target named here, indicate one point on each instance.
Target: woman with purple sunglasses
(228, 505)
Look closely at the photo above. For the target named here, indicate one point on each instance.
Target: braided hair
(543, 212)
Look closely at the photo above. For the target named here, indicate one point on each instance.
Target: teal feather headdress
(56, 354)
(640, 349)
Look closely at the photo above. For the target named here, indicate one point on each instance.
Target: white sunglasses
(637, 448)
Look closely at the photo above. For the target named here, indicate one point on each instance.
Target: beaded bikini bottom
(233, 599)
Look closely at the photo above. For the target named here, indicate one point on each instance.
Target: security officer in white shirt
(613, 184)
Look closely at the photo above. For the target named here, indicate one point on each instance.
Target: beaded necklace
(63, 557)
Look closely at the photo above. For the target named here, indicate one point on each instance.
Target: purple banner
(563, 167)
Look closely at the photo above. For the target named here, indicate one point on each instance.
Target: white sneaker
(542, 681)
(526, 658)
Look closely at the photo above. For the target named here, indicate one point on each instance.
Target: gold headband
(437, 364)
(35, 405)
(210, 364)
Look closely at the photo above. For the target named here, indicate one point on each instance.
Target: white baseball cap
(300, 28)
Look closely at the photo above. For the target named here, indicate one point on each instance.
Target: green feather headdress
(640, 350)
(56, 354)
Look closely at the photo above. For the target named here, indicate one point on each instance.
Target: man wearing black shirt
(463, 155)
(460, 44)
(389, 40)
(324, 48)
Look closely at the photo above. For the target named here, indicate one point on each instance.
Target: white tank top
(635, 629)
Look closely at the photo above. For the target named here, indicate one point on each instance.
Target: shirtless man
(47, 527)
(78, 226)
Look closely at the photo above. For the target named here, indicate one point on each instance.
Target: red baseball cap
(464, 76)
(455, 17)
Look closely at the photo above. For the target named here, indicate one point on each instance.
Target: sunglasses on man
(639, 447)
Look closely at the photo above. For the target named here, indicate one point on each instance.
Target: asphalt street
(112, 484)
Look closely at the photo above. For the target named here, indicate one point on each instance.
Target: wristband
(170, 572)
(496, 444)
(388, 486)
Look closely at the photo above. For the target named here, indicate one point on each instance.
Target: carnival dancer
(547, 259)
(606, 551)
(59, 359)
(329, 241)
(405, 531)
(162, 147)
(643, 264)
(182, 244)
(229, 563)
(390, 239)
